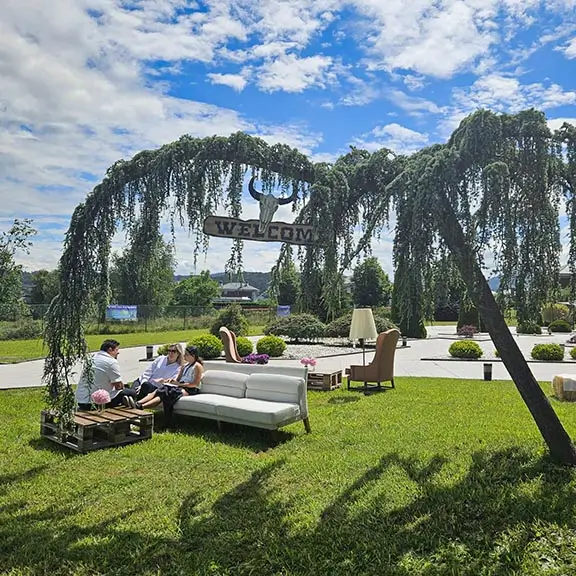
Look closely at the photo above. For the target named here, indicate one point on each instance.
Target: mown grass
(12, 351)
(436, 477)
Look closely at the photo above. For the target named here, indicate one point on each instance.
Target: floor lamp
(362, 328)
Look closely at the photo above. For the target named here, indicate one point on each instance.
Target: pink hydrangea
(100, 397)
(308, 361)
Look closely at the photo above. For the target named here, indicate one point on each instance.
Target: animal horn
(292, 198)
(253, 192)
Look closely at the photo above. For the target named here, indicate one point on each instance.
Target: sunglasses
(173, 350)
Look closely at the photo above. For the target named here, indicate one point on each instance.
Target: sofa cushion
(224, 382)
(259, 411)
(274, 387)
(204, 403)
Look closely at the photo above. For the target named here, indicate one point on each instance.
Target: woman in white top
(186, 383)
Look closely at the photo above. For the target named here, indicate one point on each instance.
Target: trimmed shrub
(465, 349)
(297, 327)
(496, 353)
(209, 346)
(467, 331)
(24, 330)
(549, 352)
(528, 328)
(271, 345)
(244, 346)
(340, 328)
(560, 326)
(163, 350)
(552, 312)
(233, 318)
(573, 353)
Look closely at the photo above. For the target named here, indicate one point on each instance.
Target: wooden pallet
(94, 430)
(324, 381)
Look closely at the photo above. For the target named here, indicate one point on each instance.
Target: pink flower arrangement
(308, 361)
(100, 397)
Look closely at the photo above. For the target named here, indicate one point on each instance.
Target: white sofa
(264, 396)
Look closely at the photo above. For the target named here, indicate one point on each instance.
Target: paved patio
(408, 361)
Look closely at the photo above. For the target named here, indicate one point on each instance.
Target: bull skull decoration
(268, 204)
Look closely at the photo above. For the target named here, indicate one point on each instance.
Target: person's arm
(198, 371)
(150, 370)
(115, 376)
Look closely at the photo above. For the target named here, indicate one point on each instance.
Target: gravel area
(328, 347)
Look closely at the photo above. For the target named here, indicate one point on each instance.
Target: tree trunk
(557, 439)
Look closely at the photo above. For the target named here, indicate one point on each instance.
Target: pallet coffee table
(94, 430)
(324, 380)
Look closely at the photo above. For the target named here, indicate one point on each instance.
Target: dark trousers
(116, 401)
(146, 388)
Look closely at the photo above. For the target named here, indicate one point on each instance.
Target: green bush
(552, 312)
(560, 326)
(233, 318)
(528, 328)
(297, 327)
(496, 353)
(271, 345)
(573, 353)
(465, 349)
(549, 352)
(244, 346)
(340, 328)
(163, 350)
(209, 346)
(24, 330)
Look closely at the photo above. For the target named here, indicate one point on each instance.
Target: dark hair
(107, 344)
(193, 351)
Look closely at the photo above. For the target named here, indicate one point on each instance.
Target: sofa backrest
(224, 382)
(266, 381)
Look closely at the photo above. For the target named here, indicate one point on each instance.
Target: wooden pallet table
(94, 430)
(324, 380)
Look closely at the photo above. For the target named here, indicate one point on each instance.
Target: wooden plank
(94, 418)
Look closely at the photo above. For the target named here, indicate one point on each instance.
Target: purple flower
(256, 359)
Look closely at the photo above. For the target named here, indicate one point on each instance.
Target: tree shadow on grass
(506, 509)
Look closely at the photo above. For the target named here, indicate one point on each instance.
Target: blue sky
(87, 82)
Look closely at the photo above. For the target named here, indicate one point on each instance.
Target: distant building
(239, 290)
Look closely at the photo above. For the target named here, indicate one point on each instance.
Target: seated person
(186, 383)
(163, 368)
(105, 375)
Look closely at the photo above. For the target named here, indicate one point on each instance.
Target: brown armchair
(381, 369)
(230, 350)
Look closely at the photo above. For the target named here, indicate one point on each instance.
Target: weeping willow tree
(482, 188)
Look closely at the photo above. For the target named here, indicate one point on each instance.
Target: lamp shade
(363, 325)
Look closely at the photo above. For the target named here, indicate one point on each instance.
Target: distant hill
(259, 280)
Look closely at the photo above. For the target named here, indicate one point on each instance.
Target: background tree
(45, 286)
(144, 273)
(197, 292)
(17, 238)
(289, 285)
(370, 284)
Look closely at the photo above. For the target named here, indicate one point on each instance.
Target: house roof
(239, 287)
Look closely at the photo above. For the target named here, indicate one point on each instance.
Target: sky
(85, 83)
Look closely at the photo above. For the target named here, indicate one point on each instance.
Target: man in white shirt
(105, 375)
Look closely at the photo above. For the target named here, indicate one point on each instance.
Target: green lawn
(12, 351)
(437, 477)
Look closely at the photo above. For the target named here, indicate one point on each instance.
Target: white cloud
(556, 123)
(397, 138)
(236, 81)
(293, 74)
(570, 49)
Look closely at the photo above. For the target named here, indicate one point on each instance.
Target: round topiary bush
(340, 328)
(209, 346)
(560, 326)
(163, 350)
(465, 349)
(552, 312)
(244, 346)
(528, 328)
(549, 352)
(233, 318)
(271, 345)
(297, 327)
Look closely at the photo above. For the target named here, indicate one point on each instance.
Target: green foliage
(288, 285)
(550, 352)
(233, 318)
(573, 353)
(528, 328)
(244, 346)
(163, 350)
(469, 315)
(209, 346)
(197, 292)
(560, 326)
(16, 239)
(144, 273)
(551, 312)
(370, 284)
(340, 328)
(25, 329)
(45, 286)
(271, 345)
(465, 349)
(297, 327)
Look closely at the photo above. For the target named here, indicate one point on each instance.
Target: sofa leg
(219, 424)
(307, 425)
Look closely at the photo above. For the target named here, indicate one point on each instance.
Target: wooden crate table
(94, 430)
(324, 380)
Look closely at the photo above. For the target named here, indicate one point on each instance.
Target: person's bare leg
(148, 397)
(151, 403)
